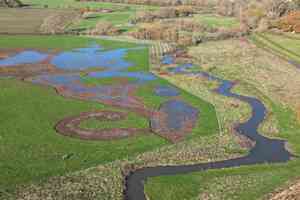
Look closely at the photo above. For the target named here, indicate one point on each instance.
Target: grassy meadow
(234, 62)
(216, 21)
(282, 45)
(32, 151)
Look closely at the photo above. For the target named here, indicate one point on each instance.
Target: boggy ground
(37, 109)
(106, 181)
(241, 60)
(257, 74)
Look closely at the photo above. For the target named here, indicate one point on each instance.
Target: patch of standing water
(166, 91)
(185, 69)
(80, 59)
(178, 113)
(25, 57)
(93, 56)
(265, 150)
(167, 60)
(141, 77)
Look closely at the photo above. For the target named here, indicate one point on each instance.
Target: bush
(163, 13)
(54, 24)
(104, 28)
(291, 22)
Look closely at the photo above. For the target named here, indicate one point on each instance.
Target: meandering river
(265, 150)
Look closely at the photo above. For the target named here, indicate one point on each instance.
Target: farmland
(26, 21)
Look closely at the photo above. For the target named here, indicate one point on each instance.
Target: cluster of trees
(91, 10)
(104, 28)
(10, 3)
(290, 22)
(57, 23)
(156, 31)
(255, 14)
(163, 13)
(270, 8)
(184, 32)
(161, 2)
(144, 2)
(54, 24)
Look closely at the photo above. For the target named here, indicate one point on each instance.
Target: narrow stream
(265, 150)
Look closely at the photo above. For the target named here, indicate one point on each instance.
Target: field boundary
(257, 40)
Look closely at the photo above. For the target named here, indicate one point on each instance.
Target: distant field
(285, 45)
(76, 4)
(120, 19)
(16, 21)
(216, 21)
(26, 21)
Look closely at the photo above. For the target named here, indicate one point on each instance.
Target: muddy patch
(174, 120)
(71, 126)
(68, 71)
(166, 91)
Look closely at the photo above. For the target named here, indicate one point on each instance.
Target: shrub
(163, 13)
(291, 22)
(104, 28)
(55, 24)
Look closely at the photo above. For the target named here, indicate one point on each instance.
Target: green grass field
(78, 4)
(120, 19)
(32, 151)
(245, 183)
(60, 43)
(284, 46)
(216, 21)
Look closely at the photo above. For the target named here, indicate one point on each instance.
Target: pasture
(285, 45)
(228, 59)
(33, 150)
(216, 21)
(25, 21)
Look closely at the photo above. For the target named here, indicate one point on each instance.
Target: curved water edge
(265, 150)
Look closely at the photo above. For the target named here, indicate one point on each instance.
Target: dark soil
(71, 127)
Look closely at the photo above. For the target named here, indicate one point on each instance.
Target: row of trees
(10, 3)
(256, 13)
(163, 13)
(161, 2)
(290, 22)
(104, 28)
(184, 32)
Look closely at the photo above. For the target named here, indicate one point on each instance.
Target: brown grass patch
(25, 21)
(71, 127)
(243, 61)
(290, 193)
